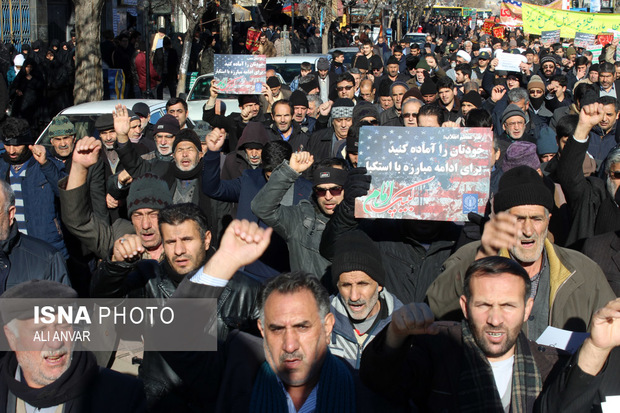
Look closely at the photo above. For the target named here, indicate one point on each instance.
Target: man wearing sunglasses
(302, 225)
(345, 86)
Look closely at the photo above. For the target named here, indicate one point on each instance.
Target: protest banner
(510, 62)
(498, 32)
(550, 36)
(537, 19)
(487, 27)
(596, 50)
(239, 74)
(584, 39)
(437, 174)
(605, 38)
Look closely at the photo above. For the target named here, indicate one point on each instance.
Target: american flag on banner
(510, 13)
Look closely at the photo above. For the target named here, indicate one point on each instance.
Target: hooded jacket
(237, 162)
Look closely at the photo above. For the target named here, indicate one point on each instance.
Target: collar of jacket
(559, 273)
(11, 241)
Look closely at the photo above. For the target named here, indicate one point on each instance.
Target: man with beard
(186, 241)
(603, 136)
(362, 307)
(567, 286)
(299, 101)
(34, 176)
(50, 375)
(484, 363)
(248, 153)
(548, 68)
(283, 127)
(606, 80)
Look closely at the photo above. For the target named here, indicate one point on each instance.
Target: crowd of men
(318, 310)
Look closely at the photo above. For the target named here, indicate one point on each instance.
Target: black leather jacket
(237, 308)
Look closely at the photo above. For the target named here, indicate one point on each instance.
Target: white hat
(19, 60)
(464, 55)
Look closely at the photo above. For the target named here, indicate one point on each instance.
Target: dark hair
(496, 265)
(274, 152)
(478, 118)
(581, 61)
(294, 282)
(281, 102)
(179, 213)
(606, 67)
(337, 53)
(367, 41)
(432, 110)
(608, 100)
(445, 83)
(561, 79)
(14, 127)
(174, 101)
(566, 126)
(306, 66)
(330, 163)
(345, 77)
(464, 68)
(580, 90)
(397, 48)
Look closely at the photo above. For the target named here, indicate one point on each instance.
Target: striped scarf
(477, 390)
(336, 389)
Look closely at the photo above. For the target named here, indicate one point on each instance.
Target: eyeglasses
(372, 122)
(341, 88)
(615, 174)
(409, 115)
(334, 191)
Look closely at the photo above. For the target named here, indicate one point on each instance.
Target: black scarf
(537, 102)
(23, 158)
(186, 175)
(72, 384)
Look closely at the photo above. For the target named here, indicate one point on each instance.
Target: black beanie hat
(187, 135)
(392, 61)
(245, 99)
(148, 191)
(375, 62)
(428, 87)
(298, 98)
(361, 63)
(474, 98)
(308, 83)
(521, 185)
(355, 251)
(273, 81)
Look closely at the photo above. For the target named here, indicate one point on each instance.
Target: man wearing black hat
(272, 93)
(147, 195)
(567, 286)
(326, 79)
(393, 72)
(299, 101)
(55, 377)
(248, 153)
(391, 116)
(301, 225)
(33, 174)
(249, 106)
(146, 127)
(362, 307)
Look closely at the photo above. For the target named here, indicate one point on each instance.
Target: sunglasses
(341, 88)
(615, 174)
(409, 115)
(372, 122)
(334, 191)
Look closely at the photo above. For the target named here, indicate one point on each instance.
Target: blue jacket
(243, 190)
(41, 199)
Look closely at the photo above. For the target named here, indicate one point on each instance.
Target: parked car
(289, 66)
(349, 53)
(84, 115)
(419, 38)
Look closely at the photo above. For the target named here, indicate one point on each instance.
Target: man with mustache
(186, 243)
(484, 363)
(567, 287)
(362, 307)
(39, 376)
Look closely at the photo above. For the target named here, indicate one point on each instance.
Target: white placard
(562, 339)
(510, 62)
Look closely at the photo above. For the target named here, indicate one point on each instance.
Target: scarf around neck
(187, 175)
(477, 389)
(336, 391)
(70, 385)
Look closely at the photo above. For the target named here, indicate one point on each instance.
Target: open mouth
(55, 359)
(528, 243)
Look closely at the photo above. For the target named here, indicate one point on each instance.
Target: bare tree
(88, 74)
(193, 10)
